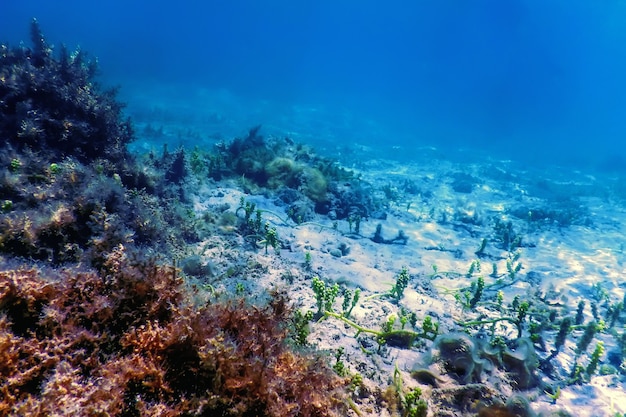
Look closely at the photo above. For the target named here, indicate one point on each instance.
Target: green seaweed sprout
(55, 168)
(389, 335)
(301, 328)
(270, 239)
(513, 265)
(440, 274)
(592, 366)
(262, 232)
(521, 310)
(324, 295)
(15, 165)
(6, 206)
(481, 249)
(402, 281)
(339, 366)
(411, 403)
(308, 261)
(579, 373)
(473, 268)
(580, 311)
(397, 290)
(350, 300)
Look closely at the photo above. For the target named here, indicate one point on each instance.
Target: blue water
(538, 81)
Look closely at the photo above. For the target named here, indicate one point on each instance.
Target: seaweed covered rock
(458, 356)
(70, 191)
(127, 342)
(466, 359)
(280, 164)
(53, 104)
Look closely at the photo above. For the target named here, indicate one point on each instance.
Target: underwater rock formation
(70, 189)
(466, 359)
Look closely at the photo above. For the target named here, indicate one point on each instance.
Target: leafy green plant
(478, 292)
(388, 325)
(197, 161)
(429, 327)
(594, 310)
(55, 168)
(248, 208)
(577, 374)
(407, 316)
(590, 331)
(506, 236)
(469, 297)
(6, 206)
(499, 299)
(580, 318)
(513, 266)
(578, 371)
(613, 313)
(494, 270)
(564, 329)
(356, 382)
(599, 293)
(414, 405)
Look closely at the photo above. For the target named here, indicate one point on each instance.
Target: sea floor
(551, 237)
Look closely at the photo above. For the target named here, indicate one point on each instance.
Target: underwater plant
(409, 401)
(324, 295)
(126, 342)
(402, 281)
(350, 300)
(390, 334)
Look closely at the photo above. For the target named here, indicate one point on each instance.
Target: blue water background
(538, 81)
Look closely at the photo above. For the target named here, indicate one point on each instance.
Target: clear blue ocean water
(536, 81)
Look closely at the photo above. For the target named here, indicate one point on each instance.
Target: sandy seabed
(553, 237)
(559, 265)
